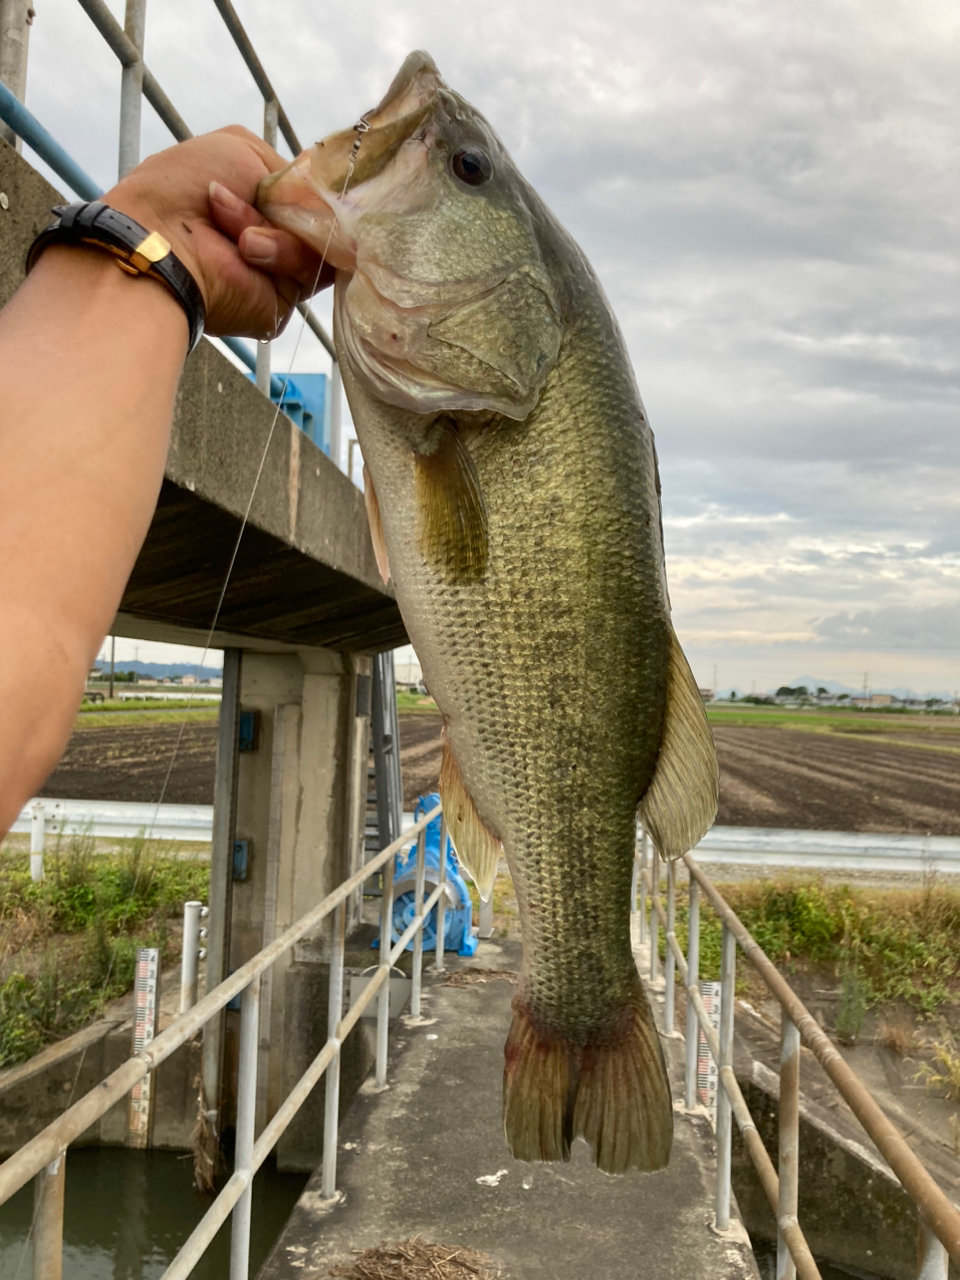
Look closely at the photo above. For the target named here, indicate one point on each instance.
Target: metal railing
(43, 1158)
(938, 1219)
(137, 82)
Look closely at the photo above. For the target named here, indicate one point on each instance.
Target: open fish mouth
(329, 185)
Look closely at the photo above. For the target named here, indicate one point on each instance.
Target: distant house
(188, 680)
(706, 695)
(881, 700)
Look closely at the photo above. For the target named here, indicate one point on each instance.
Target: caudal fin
(614, 1094)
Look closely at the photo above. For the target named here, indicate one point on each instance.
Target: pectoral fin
(451, 516)
(477, 848)
(372, 503)
(681, 802)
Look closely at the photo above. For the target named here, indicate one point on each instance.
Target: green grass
(837, 720)
(134, 719)
(68, 944)
(415, 702)
(880, 946)
(146, 703)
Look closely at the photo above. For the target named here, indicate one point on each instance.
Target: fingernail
(258, 248)
(224, 197)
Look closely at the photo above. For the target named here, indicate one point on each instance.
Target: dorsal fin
(451, 516)
(372, 503)
(680, 803)
(477, 848)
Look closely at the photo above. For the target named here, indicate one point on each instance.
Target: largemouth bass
(513, 496)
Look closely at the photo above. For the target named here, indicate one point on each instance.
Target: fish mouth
(326, 186)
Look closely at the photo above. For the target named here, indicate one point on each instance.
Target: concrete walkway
(426, 1157)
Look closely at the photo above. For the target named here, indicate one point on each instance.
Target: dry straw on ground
(417, 1259)
(472, 974)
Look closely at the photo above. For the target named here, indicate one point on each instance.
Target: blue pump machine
(458, 933)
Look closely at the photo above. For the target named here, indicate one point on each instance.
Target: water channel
(128, 1212)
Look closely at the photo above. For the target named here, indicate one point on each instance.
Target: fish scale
(513, 495)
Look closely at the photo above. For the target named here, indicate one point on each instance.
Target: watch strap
(135, 250)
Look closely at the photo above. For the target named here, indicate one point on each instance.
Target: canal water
(766, 1254)
(127, 1214)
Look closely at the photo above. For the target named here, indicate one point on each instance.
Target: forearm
(89, 363)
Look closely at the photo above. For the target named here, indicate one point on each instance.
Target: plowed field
(898, 777)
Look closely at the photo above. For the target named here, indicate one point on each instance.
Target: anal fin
(680, 804)
(477, 848)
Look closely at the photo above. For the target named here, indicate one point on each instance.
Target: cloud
(767, 193)
(895, 627)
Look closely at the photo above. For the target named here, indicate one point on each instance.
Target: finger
(270, 157)
(231, 214)
(282, 254)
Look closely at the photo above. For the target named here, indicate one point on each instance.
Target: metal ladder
(384, 786)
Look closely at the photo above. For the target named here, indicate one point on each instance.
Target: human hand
(199, 195)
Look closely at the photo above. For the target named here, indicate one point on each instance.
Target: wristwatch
(136, 251)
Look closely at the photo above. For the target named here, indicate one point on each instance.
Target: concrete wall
(35, 1093)
(852, 1210)
(301, 807)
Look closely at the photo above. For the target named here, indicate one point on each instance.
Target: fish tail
(614, 1093)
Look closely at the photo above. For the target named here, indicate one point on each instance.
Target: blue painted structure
(458, 933)
(304, 397)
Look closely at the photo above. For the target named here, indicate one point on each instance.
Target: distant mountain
(813, 683)
(896, 691)
(157, 670)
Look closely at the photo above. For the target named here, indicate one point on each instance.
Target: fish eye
(472, 166)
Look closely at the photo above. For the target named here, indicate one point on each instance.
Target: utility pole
(714, 680)
(113, 641)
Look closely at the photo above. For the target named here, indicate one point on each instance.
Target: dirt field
(889, 775)
(130, 762)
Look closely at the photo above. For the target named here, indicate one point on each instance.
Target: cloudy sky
(769, 193)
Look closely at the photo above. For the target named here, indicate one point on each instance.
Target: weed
(68, 944)
(882, 947)
(944, 1074)
(896, 1032)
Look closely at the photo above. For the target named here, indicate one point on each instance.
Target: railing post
(336, 434)
(38, 827)
(669, 988)
(728, 983)
(442, 903)
(271, 111)
(932, 1258)
(15, 19)
(789, 1141)
(383, 996)
(643, 887)
(246, 1118)
(131, 89)
(48, 1188)
(190, 955)
(415, 990)
(693, 979)
(331, 1111)
(654, 917)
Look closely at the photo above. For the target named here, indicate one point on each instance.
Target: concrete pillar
(301, 802)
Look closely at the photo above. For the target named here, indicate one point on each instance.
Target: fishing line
(360, 128)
